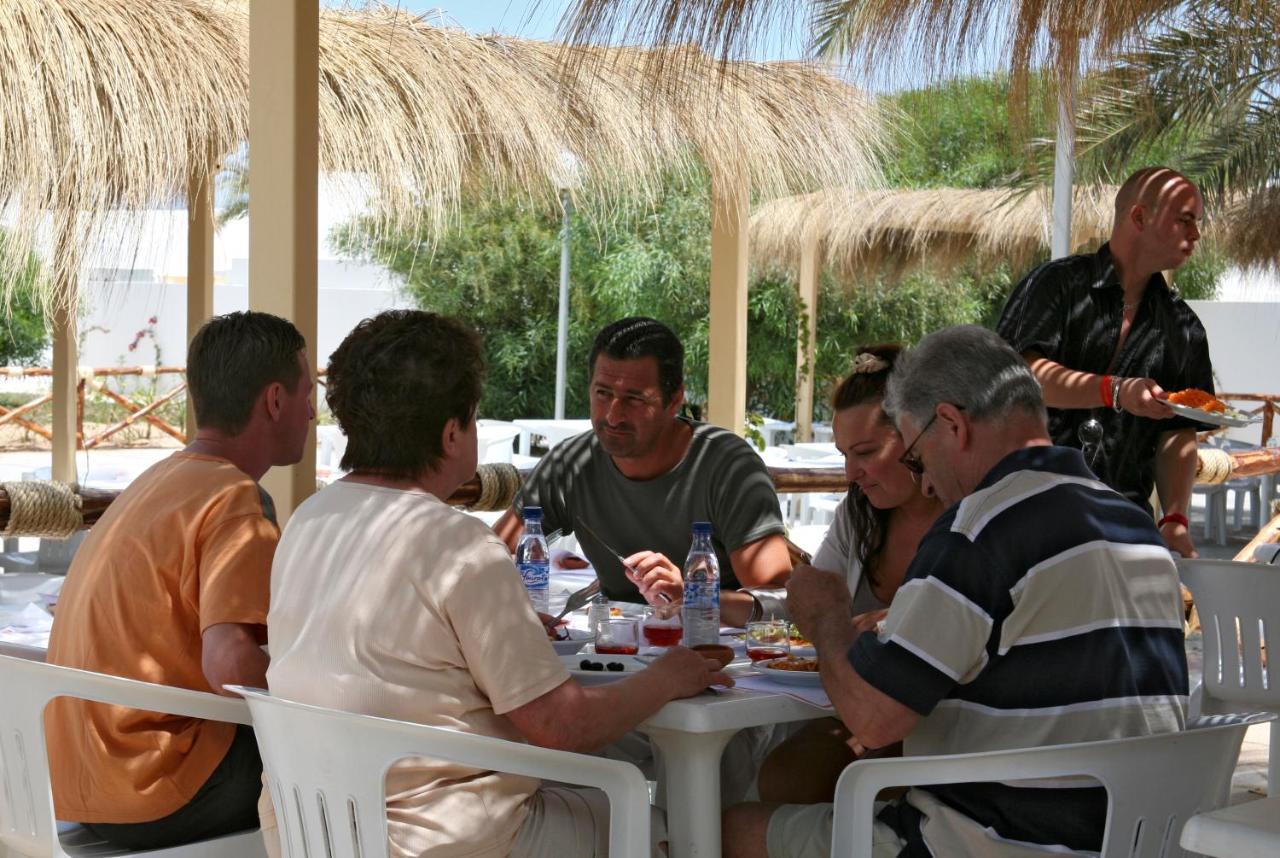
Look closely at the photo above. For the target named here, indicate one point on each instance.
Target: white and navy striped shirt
(1042, 609)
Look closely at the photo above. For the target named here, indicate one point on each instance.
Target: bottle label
(536, 576)
(702, 594)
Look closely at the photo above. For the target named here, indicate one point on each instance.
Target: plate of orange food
(1207, 408)
(791, 670)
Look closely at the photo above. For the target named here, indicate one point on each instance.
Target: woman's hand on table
(655, 576)
(688, 673)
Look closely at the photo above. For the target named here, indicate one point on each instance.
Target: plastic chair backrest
(26, 804)
(1239, 606)
(1154, 783)
(326, 770)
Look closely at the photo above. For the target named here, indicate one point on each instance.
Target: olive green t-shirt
(720, 480)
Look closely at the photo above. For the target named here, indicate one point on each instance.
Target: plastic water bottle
(533, 559)
(700, 612)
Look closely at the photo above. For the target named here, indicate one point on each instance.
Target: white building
(143, 275)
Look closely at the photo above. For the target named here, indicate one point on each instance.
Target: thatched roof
(1247, 232)
(113, 103)
(861, 231)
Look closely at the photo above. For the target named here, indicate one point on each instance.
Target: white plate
(578, 638)
(789, 677)
(630, 664)
(1212, 417)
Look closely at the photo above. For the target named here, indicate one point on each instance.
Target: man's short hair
(965, 365)
(395, 381)
(232, 359)
(638, 337)
(1144, 188)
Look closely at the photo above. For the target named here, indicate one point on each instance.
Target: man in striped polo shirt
(1042, 608)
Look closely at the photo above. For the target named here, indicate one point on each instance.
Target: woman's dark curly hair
(395, 381)
(869, 523)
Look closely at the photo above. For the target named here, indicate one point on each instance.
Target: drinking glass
(617, 636)
(768, 639)
(662, 627)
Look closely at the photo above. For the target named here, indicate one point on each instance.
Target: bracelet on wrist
(1115, 394)
(1176, 518)
(1105, 389)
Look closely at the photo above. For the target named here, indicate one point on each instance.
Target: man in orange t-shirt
(171, 586)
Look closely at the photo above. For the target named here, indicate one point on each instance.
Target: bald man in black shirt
(1108, 339)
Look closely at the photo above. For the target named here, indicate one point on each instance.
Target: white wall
(139, 271)
(124, 308)
(1244, 345)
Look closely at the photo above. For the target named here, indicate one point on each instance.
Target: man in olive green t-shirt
(644, 474)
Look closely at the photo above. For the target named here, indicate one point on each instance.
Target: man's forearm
(509, 528)
(874, 718)
(1176, 470)
(1064, 387)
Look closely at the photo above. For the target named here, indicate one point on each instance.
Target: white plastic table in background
(772, 430)
(552, 431)
(690, 735)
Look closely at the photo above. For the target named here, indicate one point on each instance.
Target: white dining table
(689, 736)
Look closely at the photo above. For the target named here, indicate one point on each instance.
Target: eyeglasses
(911, 460)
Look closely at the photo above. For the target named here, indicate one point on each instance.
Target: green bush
(24, 338)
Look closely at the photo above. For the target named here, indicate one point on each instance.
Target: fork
(576, 600)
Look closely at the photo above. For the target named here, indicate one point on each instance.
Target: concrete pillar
(807, 345)
(65, 380)
(199, 263)
(284, 160)
(727, 359)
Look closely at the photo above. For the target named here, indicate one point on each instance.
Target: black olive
(615, 666)
(584, 665)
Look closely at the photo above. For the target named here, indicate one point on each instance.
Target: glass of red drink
(662, 627)
(617, 636)
(768, 639)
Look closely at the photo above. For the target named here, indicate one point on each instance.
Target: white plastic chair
(1153, 783)
(326, 770)
(27, 824)
(495, 441)
(1239, 606)
(1248, 830)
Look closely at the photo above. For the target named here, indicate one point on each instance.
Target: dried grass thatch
(1247, 231)
(860, 232)
(114, 103)
(939, 36)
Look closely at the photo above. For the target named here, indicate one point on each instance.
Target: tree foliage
(499, 270)
(24, 338)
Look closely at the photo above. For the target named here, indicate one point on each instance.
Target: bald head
(1157, 220)
(1149, 188)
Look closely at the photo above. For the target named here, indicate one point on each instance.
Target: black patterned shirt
(1070, 310)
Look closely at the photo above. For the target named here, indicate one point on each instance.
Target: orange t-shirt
(186, 546)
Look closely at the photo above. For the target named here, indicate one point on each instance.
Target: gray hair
(968, 366)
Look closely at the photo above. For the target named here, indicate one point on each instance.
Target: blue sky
(539, 20)
(536, 20)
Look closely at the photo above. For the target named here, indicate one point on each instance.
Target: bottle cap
(533, 513)
(702, 528)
